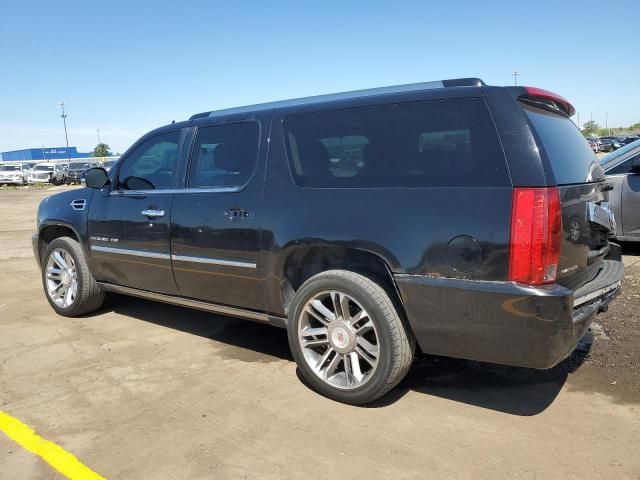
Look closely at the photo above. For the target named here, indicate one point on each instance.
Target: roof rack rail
(454, 82)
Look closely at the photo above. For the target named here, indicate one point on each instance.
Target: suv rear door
(215, 233)
(586, 217)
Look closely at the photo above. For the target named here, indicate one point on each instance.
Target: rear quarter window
(420, 144)
(570, 156)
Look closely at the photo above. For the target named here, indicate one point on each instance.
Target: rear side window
(569, 153)
(420, 144)
(224, 155)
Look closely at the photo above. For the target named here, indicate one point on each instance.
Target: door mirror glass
(96, 178)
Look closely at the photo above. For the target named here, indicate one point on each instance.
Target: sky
(126, 67)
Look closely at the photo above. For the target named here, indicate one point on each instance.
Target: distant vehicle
(630, 139)
(609, 145)
(74, 174)
(43, 172)
(12, 174)
(622, 168)
(595, 146)
(109, 164)
(60, 174)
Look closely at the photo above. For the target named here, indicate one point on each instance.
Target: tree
(590, 128)
(101, 150)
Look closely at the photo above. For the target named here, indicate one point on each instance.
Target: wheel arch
(304, 262)
(50, 230)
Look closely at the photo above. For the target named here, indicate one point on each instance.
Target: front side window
(153, 165)
(224, 156)
(419, 144)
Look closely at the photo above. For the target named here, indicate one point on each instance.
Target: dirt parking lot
(148, 391)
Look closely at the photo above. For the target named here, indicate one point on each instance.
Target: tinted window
(421, 144)
(624, 167)
(224, 155)
(569, 153)
(153, 165)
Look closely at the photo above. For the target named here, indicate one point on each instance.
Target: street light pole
(515, 78)
(64, 120)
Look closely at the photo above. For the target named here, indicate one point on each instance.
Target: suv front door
(215, 237)
(625, 197)
(129, 221)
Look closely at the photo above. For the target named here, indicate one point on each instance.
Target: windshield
(109, 164)
(10, 168)
(46, 168)
(621, 151)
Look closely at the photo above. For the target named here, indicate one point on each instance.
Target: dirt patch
(612, 365)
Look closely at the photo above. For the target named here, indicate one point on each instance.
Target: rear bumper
(504, 322)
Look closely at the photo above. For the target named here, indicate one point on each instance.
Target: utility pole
(515, 78)
(64, 120)
(606, 122)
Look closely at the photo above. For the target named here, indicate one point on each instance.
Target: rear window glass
(569, 153)
(420, 144)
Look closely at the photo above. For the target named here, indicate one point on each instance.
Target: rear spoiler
(543, 97)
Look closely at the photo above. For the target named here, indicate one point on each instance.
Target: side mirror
(96, 178)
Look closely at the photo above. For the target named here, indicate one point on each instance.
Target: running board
(197, 304)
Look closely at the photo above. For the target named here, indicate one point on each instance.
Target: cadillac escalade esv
(450, 218)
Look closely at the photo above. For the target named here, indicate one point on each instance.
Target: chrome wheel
(338, 339)
(61, 278)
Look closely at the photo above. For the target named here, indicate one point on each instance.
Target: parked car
(609, 145)
(60, 174)
(43, 172)
(77, 169)
(12, 174)
(595, 146)
(630, 139)
(623, 173)
(451, 231)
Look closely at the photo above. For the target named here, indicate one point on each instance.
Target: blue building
(43, 154)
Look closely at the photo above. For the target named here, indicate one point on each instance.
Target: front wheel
(70, 288)
(348, 338)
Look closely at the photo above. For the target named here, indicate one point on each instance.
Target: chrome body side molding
(197, 304)
(214, 261)
(127, 251)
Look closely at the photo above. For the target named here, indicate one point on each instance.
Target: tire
(88, 295)
(375, 348)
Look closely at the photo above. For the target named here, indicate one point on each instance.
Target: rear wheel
(347, 337)
(70, 288)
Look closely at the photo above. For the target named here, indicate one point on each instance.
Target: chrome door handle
(152, 213)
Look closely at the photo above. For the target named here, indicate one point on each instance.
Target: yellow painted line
(56, 456)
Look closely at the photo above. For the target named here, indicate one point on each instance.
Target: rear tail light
(535, 235)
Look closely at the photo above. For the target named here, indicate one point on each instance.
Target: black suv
(449, 218)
